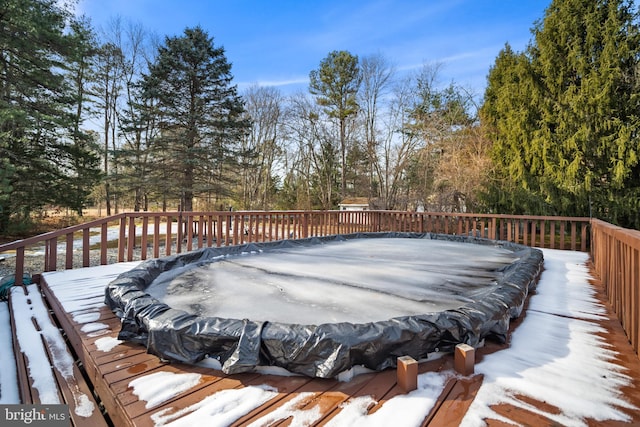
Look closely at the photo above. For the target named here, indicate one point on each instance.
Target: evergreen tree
(510, 114)
(106, 92)
(571, 142)
(335, 84)
(38, 111)
(200, 115)
(82, 170)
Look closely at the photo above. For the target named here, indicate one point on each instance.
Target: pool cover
(322, 350)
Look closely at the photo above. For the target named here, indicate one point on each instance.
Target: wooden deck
(111, 372)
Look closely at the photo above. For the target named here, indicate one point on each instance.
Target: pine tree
(335, 84)
(511, 115)
(571, 140)
(37, 110)
(587, 57)
(82, 170)
(200, 115)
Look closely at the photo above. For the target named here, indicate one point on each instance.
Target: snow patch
(93, 327)
(159, 387)
(407, 410)
(556, 355)
(9, 394)
(290, 410)
(32, 305)
(218, 410)
(107, 344)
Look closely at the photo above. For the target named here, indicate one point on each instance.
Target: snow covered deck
(568, 363)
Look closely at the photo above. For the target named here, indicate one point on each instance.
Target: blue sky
(279, 42)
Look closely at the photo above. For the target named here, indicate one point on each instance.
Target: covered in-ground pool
(320, 306)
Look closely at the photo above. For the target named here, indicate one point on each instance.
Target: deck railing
(134, 236)
(137, 236)
(616, 260)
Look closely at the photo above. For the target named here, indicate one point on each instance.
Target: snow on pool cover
(320, 306)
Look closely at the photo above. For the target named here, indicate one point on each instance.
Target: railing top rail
(57, 233)
(502, 216)
(462, 214)
(624, 235)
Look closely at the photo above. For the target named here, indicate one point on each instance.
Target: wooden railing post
(209, 230)
(86, 248)
(121, 240)
(168, 240)
(305, 225)
(156, 236)
(143, 239)
(179, 233)
(103, 243)
(188, 231)
(51, 254)
(68, 261)
(219, 220)
(492, 229)
(19, 266)
(131, 238)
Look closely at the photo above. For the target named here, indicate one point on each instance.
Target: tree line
(121, 118)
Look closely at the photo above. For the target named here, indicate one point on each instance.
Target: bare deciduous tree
(377, 76)
(261, 146)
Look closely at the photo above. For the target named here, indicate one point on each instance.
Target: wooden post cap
(465, 359)
(407, 373)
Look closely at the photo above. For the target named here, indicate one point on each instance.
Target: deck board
(454, 402)
(111, 373)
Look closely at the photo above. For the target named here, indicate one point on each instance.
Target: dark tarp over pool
(322, 350)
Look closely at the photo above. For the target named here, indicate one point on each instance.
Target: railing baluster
(86, 248)
(19, 266)
(168, 239)
(241, 230)
(188, 224)
(121, 240)
(209, 231)
(68, 264)
(131, 238)
(219, 220)
(104, 242)
(156, 236)
(534, 225)
(51, 254)
(143, 239)
(179, 233)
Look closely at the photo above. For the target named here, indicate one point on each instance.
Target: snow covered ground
(556, 356)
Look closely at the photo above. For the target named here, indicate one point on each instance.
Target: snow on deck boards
(46, 362)
(568, 363)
